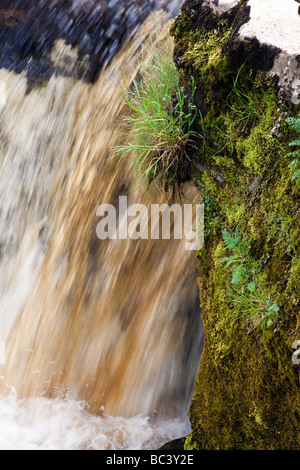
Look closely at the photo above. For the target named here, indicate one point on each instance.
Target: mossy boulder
(247, 388)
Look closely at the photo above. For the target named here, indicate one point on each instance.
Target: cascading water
(100, 340)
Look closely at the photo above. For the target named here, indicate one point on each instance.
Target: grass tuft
(159, 134)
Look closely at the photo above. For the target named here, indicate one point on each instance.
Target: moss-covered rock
(247, 389)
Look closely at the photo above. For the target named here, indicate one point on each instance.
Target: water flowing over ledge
(29, 30)
(116, 327)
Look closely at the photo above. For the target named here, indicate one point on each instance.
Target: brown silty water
(114, 322)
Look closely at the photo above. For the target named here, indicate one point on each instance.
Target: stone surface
(221, 6)
(275, 25)
(278, 24)
(176, 444)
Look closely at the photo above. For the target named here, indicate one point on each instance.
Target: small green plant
(239, 260)
(159, 126)
(249, 297)
(295, 163)
(243, 105)
(248, 108)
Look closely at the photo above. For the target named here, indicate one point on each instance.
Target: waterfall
(100, 340)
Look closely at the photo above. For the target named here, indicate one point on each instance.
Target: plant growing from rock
(295, 163)
(250, 298)
(159, 126)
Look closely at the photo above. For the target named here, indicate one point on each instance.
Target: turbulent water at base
(100, 340)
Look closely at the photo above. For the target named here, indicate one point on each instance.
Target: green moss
(247, 388)
(204, 51)
(190, 444)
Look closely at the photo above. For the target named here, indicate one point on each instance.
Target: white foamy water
(45, 424)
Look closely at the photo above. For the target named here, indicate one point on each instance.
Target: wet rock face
(30, 28)
(232, 53)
